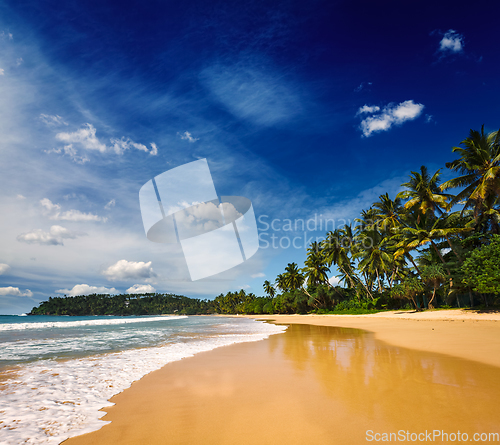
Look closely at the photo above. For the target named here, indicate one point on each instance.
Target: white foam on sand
(49, 401)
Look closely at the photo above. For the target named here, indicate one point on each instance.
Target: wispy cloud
(452, 42)
(258, 275)
(187, 136)
(54, 213)
(4, 268)
(367, 109)
(141, 289)
(85, 138)
(110, 204)
(128, 270)
(52, 120)
(253, 94)
(390, 115)
(85, 289)
(362, 86)
(53, 237)
(15, 292)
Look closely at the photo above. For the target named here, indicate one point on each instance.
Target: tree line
(424, 248)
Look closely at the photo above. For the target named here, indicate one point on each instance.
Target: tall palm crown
(388, 212)
(423, 193)
(315, 270)
(293, 278)
(479, 164)
(269, 289)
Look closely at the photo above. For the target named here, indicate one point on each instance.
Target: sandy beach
(328, 379)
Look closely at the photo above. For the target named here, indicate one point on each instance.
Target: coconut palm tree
(316, 269)
(479, 166)
(336, 249)
(388, 212)
(423, 193)
(269, 289)
(434, 275)
(293, 278)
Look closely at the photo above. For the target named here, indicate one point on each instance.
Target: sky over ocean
(309, 109)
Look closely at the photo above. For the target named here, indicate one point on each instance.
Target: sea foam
(48, 401)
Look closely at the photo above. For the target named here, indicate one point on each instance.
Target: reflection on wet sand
(407, 389)
(310, 385)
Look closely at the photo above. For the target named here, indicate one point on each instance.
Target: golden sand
(318, 384)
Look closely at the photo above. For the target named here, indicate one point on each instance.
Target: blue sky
(306, 108)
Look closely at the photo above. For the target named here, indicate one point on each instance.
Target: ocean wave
(97, 322)
(49, 401)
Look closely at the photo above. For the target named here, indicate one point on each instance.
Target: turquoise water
(56, 373)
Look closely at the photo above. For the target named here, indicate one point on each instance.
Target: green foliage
(143, 304)
(481, 270)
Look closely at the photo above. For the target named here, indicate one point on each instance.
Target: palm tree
(479, 166)
(388, 212)
(423, 193)
(336, 249)
(269, 289)
(315, 270)
(281, 282)
(434, 275)
(293, 278)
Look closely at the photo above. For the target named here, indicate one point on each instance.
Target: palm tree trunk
(378, 279)
(429, 304)
(454, 251)
(413, 262)
(443, 261)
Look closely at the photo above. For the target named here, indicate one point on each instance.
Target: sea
(58, 372)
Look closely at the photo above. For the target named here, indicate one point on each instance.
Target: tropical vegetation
(424, 248)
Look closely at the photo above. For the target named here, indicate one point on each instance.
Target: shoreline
(460, 333)
(215, 397)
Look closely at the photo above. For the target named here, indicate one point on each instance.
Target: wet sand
(317, 385)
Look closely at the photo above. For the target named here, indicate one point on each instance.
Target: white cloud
(20, 197)
(120, 145)
(452, 42)
(54, 210)
(390, 115)
(85, 289)
(19, 61)
(154, 149)
(188, 137)
(4, 268)
(52, 120)
(258, 275)
(2, 71)
(244, 286)
(53, 237)
(85, 137)
(110, 204)
(367, 109)
(71, 152)
(127, 270)
(141, 289)
(15, 291)
(334, 281)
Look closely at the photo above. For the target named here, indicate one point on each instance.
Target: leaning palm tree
(423, 193)
(479, 166)
(269, 289)
(433, 274)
